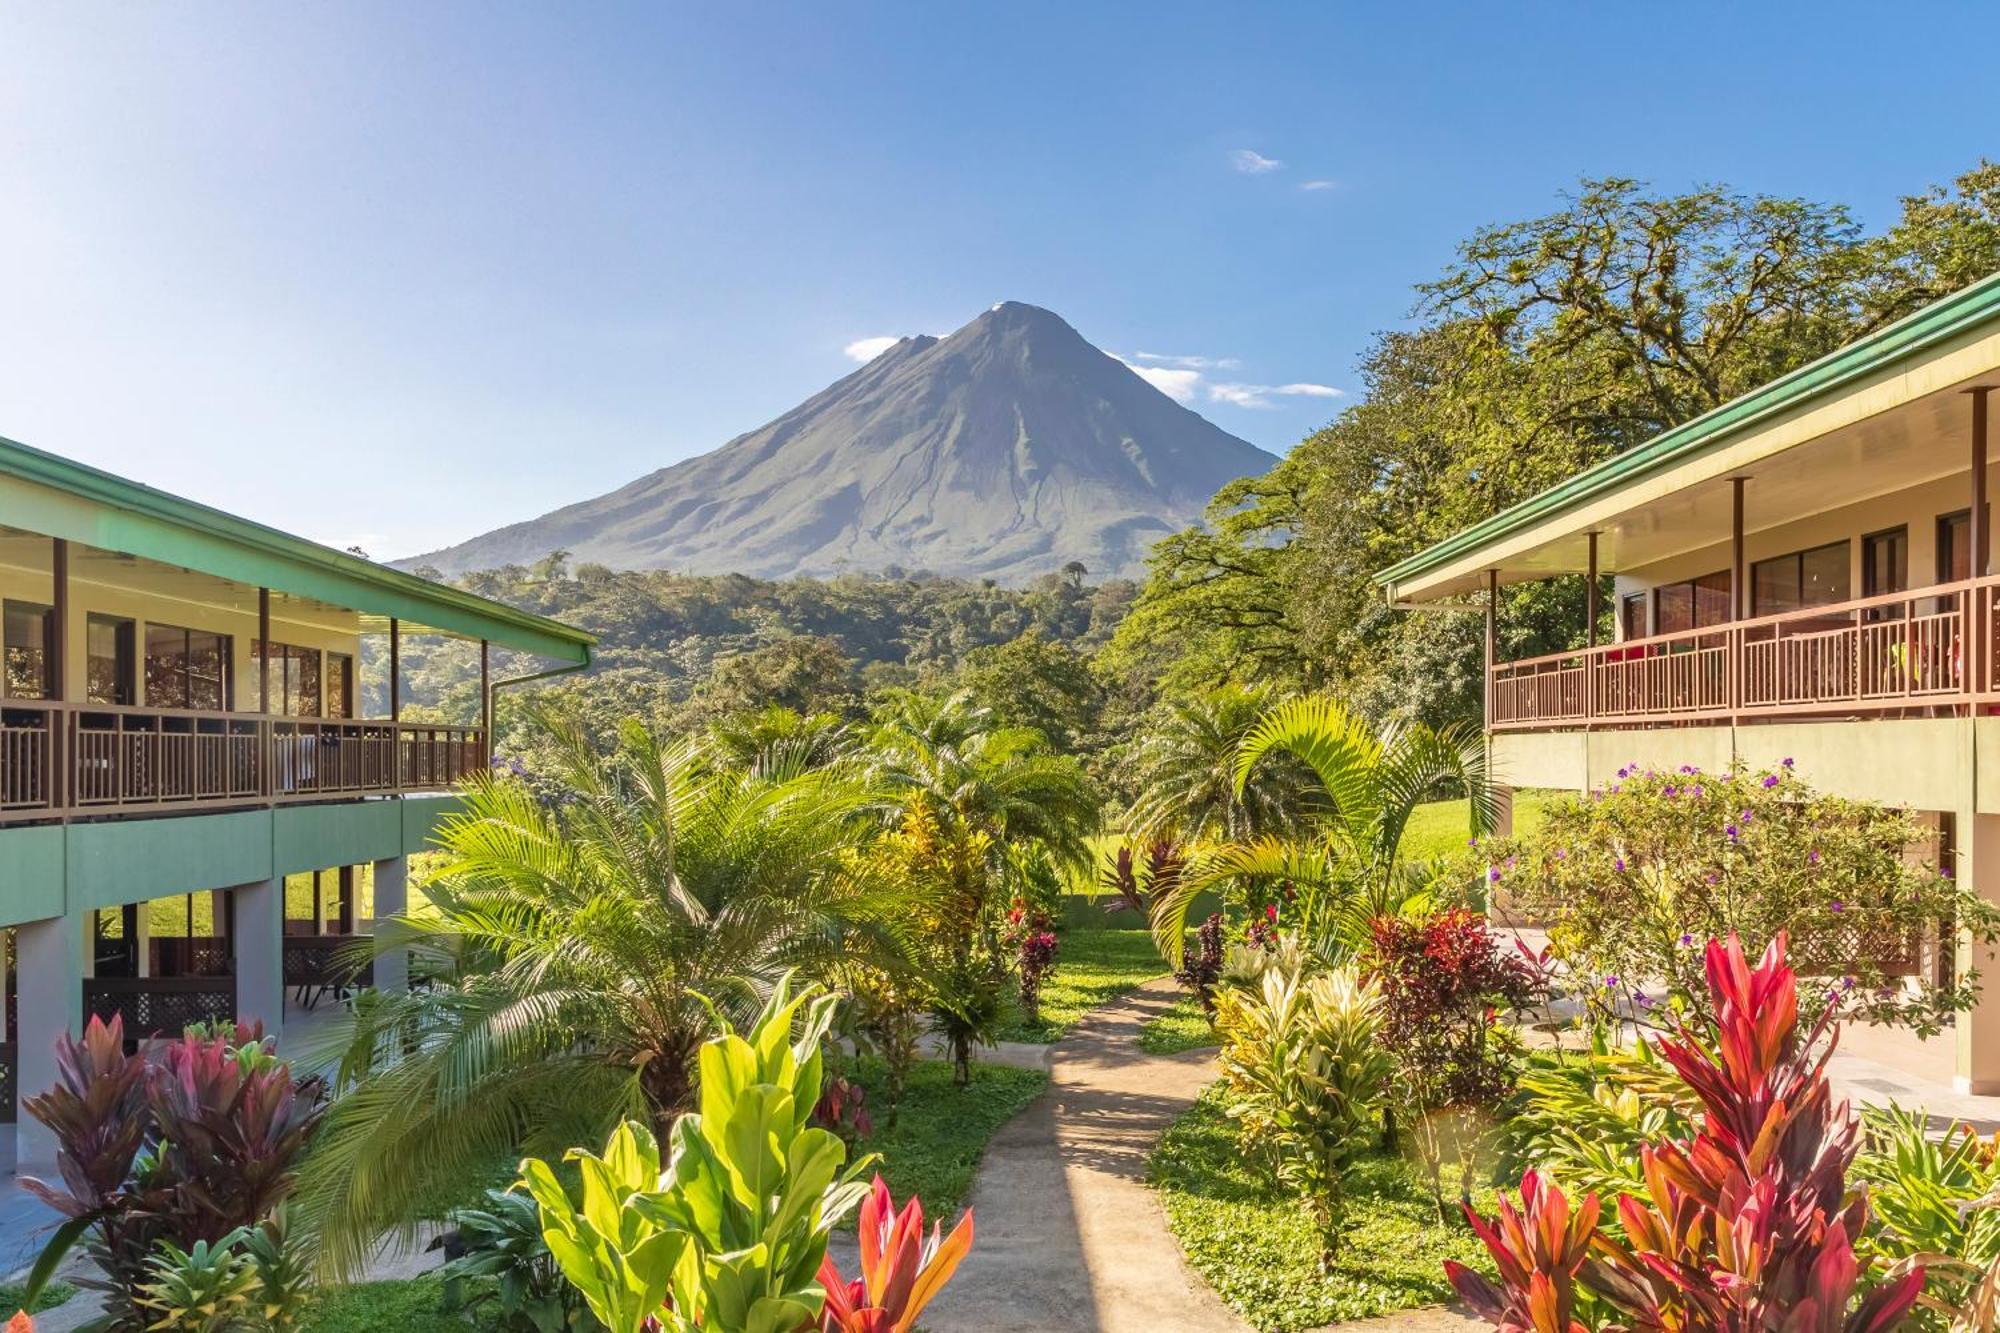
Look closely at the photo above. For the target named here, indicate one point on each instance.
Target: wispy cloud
(1261, 395)
(1185, 380)
(1187, 362)
(1253, 163)
(867, 349)
(1318, 185)
(1178, 383)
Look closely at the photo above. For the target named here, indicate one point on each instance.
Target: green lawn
(941, 1131)
(56, 1293)
(1441, 828)
(1093, 967)
(411, 1306)
(1252, 1243)
(1182, 1028)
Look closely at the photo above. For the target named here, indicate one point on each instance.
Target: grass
(1441, 828)
(941, 1131)
(1182, 1028)
(1093, 967)
(56, 1293)
(1252, 1243)
(414, 1305)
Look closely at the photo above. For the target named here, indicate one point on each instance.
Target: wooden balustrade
(58, 759)
(1872, 655)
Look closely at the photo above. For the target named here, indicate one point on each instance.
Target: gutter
(493, 690)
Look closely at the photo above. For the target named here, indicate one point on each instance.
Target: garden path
(1070, 1240)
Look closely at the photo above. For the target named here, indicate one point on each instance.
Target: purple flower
(1670, 791)
(1812, 857)
(1624, 773)
(1687, 941)
(1494, 874)
(1472, 842)
(1770, 781)
(1837, 906)
(1697, 789)
(1686, 769)
(1562, 854)
(1645, 1001)
(1785, 763)
(1619, 865)
(1611, 982)
(1945, 871)
(1731, 830)
(1847, 983)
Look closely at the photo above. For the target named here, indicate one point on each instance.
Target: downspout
(493, 691)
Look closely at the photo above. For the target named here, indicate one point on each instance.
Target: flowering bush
(1632, 877)
(1031, 935)
(1444, 981)
(1748, 1226)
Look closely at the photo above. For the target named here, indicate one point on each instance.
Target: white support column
(260, 954)
(392, 897)
(90, 944)
(1978, 867)
(50, 991)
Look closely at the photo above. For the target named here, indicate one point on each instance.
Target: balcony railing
(1903, 653)
(60, 759)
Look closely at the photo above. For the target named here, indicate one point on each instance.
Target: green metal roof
(1937, 322)
(114, 514)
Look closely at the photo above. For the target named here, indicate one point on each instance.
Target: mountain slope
(1005, 450)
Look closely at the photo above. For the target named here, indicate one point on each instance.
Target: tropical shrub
(500, 1275)
(967, 1008)
(1031, 935)
(1630, 878)
(1580, 1118)
(208, 1288)
(1201, 963)
(901, 1269)
(883, 1017)
(187, 1145)
(731, 1232)
(1935, 1200)
(1304, 1070)
(1131, 881)
(1349, 868)
(1444, 981)
(1185, 769)
(584, 951)
(1750, 1225)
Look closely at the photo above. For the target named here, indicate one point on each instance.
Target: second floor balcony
(71, 760)
(1928, 652)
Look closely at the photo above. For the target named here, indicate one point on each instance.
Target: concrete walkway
(1070, 1240)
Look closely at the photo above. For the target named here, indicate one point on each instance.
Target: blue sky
(396, 273)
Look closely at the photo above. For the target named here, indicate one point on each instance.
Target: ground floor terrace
(256, 915)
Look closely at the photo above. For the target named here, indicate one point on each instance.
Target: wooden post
(485, 704)
(1739, 598)
(1590, 595)
(263, 650)
(61, 788)
(347, 900)
(1492, 635)
(395, 670)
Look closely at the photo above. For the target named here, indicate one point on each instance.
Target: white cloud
(1260, 395)
(1318, 185)
(867, 349)
(1187, 362)
(1179, 385)
(1253, 163)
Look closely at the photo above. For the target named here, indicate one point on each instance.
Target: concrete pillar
(50, 992)
(392, 897)
(142, 940)
(260, 953)
(7, 1152)
(1978, 867)
(90, 944)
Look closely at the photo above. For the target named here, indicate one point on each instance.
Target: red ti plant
(1032, 936)
(185, 1144)
(901, 1270)
(1748, 1227)
(1539, 1248)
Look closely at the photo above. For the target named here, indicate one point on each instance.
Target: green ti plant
(730, 1231)
(1747, 1228)
(1304, 1069)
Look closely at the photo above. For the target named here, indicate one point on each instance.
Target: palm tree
(1349, 868)
(977, 777)
(776, 741)
(1186, 772)
(584, 947)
